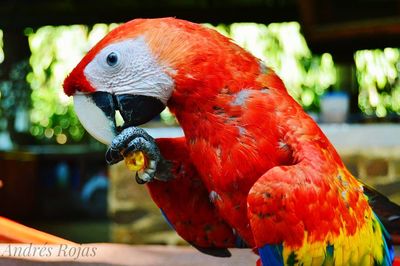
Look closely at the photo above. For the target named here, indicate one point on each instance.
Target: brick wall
(378, 171)
(371, 152)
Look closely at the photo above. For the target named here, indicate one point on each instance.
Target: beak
(96, 112)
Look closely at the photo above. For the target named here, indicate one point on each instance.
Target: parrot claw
(139, 180)
(113, 156)
(133, 139)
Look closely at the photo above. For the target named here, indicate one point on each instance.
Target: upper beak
(96, 112)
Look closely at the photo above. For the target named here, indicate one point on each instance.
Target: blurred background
(339, 59)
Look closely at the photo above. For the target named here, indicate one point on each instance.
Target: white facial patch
(135, 71)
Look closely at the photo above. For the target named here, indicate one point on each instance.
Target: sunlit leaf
(378, 74)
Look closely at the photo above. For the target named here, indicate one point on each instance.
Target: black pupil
(112, 59)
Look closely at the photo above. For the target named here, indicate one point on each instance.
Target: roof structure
(336, 26)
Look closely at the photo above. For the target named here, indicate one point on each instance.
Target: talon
(145, 177)
(152, 165)
(113, 156)
(139, 180)
(151, 172)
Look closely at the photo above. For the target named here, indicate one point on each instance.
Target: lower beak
(96, 112)
(137, 109)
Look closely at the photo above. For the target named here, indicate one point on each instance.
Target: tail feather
(387, 211)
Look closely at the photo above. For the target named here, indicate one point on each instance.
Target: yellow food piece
(135, 161)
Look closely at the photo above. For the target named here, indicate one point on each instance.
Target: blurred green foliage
(378, 75)
(56, 50)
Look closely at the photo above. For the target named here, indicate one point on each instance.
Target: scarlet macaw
(253, 168)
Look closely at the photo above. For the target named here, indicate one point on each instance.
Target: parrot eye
(112, 59)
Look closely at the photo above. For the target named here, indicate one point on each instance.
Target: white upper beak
(93, 119)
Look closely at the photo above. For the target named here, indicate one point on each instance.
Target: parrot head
(121, 73)
(139, 66)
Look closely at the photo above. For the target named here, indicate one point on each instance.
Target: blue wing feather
(271, 255)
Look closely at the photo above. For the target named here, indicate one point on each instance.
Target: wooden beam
(343, 27)
(45, 12)
(343, 39)
(357, 29)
